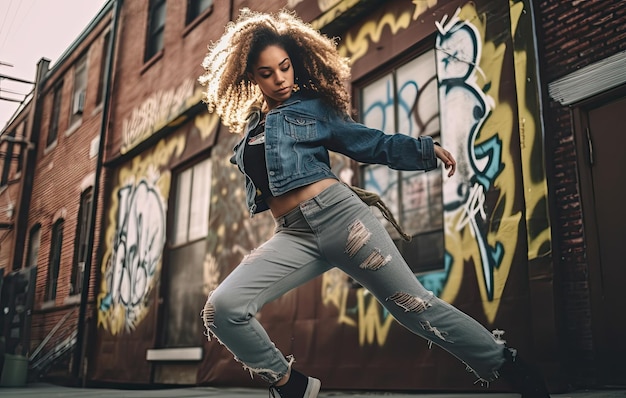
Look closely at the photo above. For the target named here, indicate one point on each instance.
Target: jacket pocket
(300, 128)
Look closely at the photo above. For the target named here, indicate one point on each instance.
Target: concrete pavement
(53, 391)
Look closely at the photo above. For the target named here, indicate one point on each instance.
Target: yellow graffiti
(325, 5)
(370, 325)
(211, 274)
(370, 32)
(421, 6)
(356, 47)
(206, 123)
(331, 14)
(335, 291)
(535, 189)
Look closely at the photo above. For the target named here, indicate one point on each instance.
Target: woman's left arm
(372, 146)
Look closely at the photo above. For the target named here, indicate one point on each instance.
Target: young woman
(281, 83)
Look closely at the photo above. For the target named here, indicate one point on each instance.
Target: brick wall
(573, 34)
(62, 171)
(136, 80)
(580, 32)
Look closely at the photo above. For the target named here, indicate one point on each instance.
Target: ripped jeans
(336, 229)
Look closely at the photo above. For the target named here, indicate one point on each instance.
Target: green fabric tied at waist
(373, 199)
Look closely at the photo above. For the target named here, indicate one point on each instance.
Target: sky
(35, 29)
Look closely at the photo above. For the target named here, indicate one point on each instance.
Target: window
(80, 90)
(156, 28)
(186, 256)
(104, 63)
(83, 229)
(8, 158)
(191, 214)
(196, 7)
(33, 246)
(12, 154)
(54, 116)
(404, 100)
(55, 260)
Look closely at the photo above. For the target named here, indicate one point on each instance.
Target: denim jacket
(300, 132)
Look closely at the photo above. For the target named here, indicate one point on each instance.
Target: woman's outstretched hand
(447, 159)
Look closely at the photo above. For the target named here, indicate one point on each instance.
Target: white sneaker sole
(312, 388)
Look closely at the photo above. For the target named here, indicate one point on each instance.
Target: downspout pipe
(25, 195)
(81, 351)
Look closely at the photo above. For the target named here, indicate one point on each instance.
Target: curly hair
(318, 66)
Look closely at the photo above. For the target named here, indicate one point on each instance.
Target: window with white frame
(191, 212)
(404, 100)
(186, 255)
(80, 90)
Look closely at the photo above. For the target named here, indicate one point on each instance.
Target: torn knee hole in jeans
(208, 316)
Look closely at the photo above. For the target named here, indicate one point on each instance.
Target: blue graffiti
(435, 281)
(404, 103)
(382, 105)
(465, 107)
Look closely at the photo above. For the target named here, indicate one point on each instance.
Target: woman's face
(273, 73)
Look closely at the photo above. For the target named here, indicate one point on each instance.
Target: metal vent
(590, 80)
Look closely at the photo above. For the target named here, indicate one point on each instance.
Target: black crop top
(254, 162)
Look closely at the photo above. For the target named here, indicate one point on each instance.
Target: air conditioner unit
(79, 103)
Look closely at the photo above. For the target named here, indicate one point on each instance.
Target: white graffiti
(464, 108)
(137, 249)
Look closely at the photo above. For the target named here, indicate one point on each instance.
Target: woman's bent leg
(289, 259)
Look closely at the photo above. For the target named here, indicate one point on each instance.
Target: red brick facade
(572, 35)
(64, 170)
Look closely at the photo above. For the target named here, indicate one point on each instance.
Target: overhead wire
(19, 4)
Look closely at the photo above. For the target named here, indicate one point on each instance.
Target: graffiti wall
(135, 237)
(133, 250)
(481, 128)
(487, 202)
(484, 210)
(134, 240)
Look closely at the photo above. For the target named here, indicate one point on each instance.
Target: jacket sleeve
(372, 146)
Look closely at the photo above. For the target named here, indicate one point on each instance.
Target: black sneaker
(523, 377)
(298, 386)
